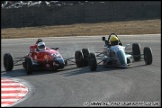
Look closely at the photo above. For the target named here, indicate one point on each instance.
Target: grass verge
(85, 29)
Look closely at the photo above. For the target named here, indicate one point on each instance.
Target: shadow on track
(100, 68)
(85, 70)
(22, 72)
(73, 70)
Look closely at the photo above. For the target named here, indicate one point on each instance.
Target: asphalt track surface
(139, 84)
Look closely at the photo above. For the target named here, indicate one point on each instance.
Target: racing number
(35, 57)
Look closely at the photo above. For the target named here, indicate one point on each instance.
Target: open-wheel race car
(113, 56)
(48, 59)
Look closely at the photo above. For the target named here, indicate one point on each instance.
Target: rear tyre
(8, 61)
(85, 52)
(147, 55)
(29, 65)
(136, 50)
(92, 62)
(79, 58)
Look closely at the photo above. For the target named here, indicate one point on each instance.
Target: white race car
(121, 58)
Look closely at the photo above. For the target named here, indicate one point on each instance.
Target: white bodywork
(120, 55)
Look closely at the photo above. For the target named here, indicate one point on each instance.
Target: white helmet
(41, 46)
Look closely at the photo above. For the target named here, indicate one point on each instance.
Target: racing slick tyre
(147, 55)
(92, 62)
(8, 61)
(29, 66)
(136, 51)
(85, 52)
(79, 58)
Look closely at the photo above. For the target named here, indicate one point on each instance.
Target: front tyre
(79, 58)
(136, 50)
(29, 65)
(8, 61)
(85, 52)
(147, 55)
(92, 62)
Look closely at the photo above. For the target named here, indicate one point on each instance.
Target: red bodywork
(44, 57)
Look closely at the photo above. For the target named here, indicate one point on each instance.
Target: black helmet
(39, 40)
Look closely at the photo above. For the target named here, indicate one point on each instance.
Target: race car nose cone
(60, 61)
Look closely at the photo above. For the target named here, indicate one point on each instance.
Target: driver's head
(114, 40)
(41, 46)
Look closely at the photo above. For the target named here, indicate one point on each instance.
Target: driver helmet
(114, 40)
(41, 46)
(39, 40)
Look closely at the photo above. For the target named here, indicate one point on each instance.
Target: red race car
(39, 57)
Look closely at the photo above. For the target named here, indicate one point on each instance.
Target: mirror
(126, 46)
